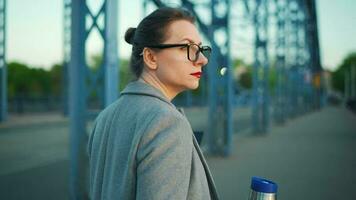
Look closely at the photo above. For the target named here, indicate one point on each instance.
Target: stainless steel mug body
(262, 196)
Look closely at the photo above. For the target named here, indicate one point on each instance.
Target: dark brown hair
(152, 30)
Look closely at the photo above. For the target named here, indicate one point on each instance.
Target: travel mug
(263, 189)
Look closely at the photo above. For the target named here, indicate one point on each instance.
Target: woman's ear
(149, 58)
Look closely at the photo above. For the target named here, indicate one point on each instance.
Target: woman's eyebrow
(191, 41)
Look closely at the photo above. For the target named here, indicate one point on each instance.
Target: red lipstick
(196, 74)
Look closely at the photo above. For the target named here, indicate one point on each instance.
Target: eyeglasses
(193, 50)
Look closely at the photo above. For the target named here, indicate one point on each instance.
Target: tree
(19, 79)
(56, 75)
(24, 81)
(242, 74)
(338, 77)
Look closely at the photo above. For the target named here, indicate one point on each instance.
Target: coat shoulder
(142, 105)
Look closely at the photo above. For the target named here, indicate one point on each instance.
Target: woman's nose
(202, 60)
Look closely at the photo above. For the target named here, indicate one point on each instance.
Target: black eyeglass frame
(201, 49)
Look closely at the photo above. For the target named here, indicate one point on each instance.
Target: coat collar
(141, 88)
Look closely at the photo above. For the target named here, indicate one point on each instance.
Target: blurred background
(277, 100)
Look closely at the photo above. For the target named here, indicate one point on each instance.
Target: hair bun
(129, 35)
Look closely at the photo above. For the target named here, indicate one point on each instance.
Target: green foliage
(238, 63)
(338, 77)
(36, 82)
(272, 77)
(18, 78)
(95, 62)
(244, 78)
(125, 73)
(27, 82)
(56, 77)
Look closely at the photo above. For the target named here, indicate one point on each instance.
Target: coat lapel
(211, 183)
(209, 177)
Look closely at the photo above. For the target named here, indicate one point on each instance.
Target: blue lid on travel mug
(263, 185)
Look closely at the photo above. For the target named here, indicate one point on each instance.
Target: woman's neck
(154, 81)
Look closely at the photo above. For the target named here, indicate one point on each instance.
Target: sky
(35, 30)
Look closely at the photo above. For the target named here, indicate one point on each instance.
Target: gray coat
(142, 147)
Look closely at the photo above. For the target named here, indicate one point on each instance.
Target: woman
(142, 147)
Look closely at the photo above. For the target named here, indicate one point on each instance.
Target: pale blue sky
(34, 34)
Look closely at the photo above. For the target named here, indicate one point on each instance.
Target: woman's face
(174, 70)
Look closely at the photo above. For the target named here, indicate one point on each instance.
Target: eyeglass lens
(194, 51)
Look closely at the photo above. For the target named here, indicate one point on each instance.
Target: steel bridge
(284, 37)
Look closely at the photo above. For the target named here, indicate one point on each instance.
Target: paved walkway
(311, 157)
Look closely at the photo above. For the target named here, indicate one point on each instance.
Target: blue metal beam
(77, 103)
(293, 55)
(3, 67)
(111, 60)
(314, 52)
(298, 58)
(66, 54)
(313, 34)
(307, 74)
(260, 98)
(303, 60)
(280, 95)
(220, 87)
(82, 81)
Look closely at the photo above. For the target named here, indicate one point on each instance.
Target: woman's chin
(191, 85)
(194, 85)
